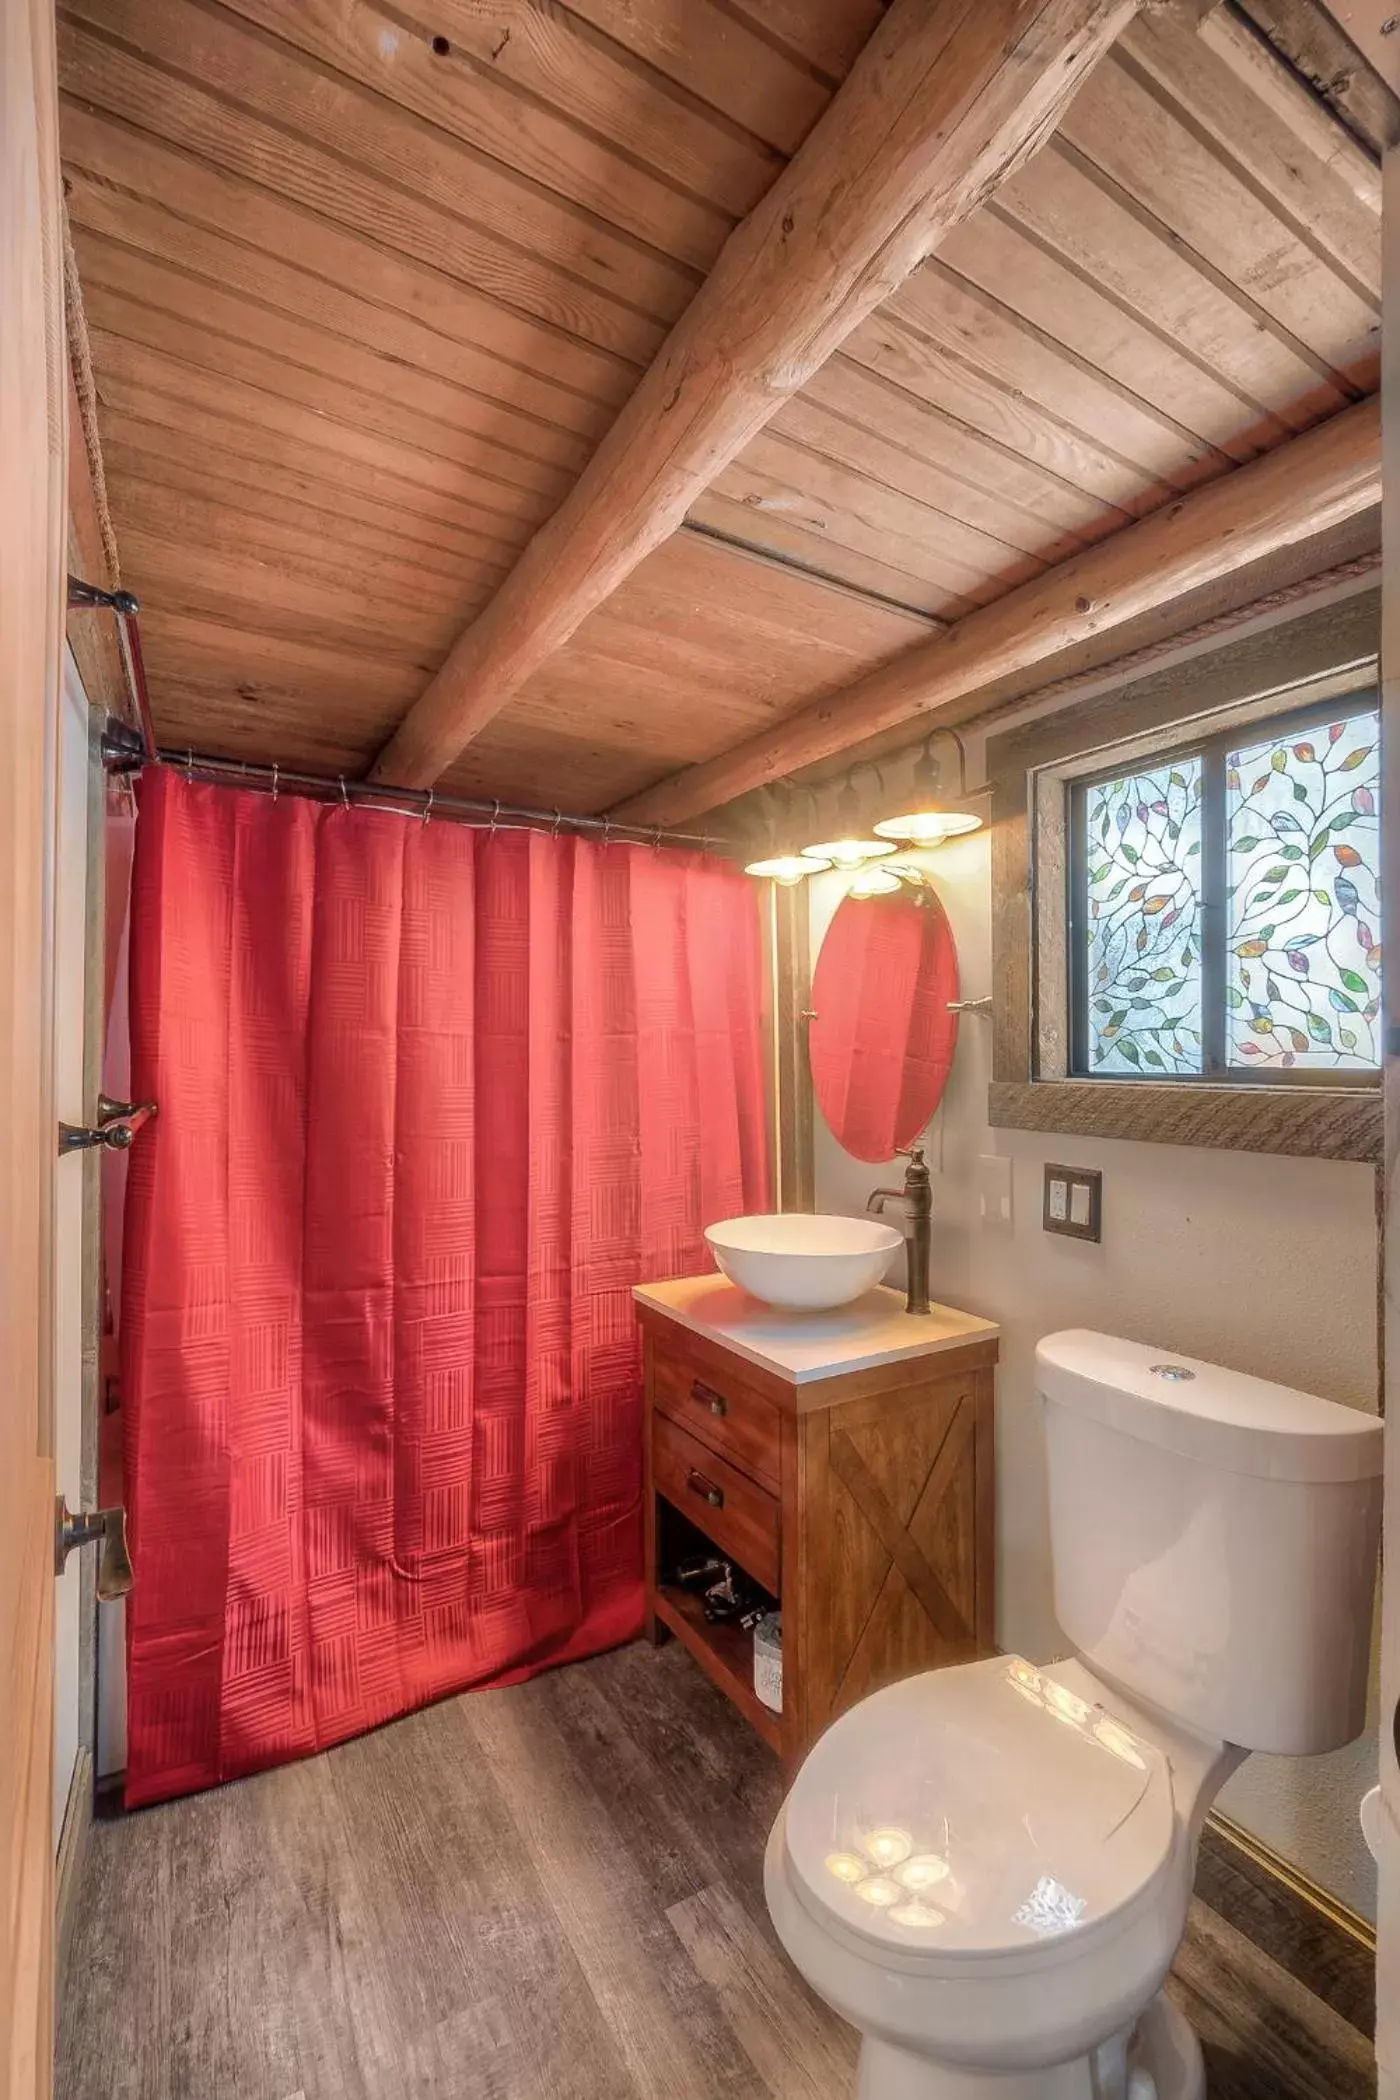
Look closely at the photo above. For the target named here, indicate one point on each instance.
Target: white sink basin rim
(803, 1261)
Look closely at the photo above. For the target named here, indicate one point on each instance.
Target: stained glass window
(1225, 906)
(1143, 847)
(1303, 982)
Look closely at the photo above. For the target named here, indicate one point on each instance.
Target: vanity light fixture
(849, 853)
(786, 868)
(926, 824)
(851, 850)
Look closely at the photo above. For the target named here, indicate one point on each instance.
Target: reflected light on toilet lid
(919, 1917)
(1001, 1796)
(1065, 1705)
(1025, 1679)
(887, 1846)
(1050, 1908)
(924, 1871)
(1120, 1740)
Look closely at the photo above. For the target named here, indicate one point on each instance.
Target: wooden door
(32, 442)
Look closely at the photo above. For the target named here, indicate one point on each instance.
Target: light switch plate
(1074, 1202)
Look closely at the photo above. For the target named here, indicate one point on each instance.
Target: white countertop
(805, 1346)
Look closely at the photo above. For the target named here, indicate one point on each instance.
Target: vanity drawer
(738, 1423)
(741, 1517)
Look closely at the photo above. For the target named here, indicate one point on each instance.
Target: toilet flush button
(1175, 1374)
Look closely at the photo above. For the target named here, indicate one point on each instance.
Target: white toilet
(986, 1869)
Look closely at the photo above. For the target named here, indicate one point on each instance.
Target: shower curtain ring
(189, 768)
(656, 838)
(344, 791)
(495, 813)
(274, 779)
(554, 827)
(607, 831)
(428, 806)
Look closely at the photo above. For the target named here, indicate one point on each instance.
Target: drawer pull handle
(699, 1485)
(708, 1397)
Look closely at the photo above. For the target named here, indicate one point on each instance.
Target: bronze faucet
(917, 1192)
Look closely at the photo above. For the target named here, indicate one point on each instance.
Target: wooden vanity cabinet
(863, 1499)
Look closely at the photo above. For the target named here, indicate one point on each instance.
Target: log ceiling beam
(1313, 482)
(947, 99)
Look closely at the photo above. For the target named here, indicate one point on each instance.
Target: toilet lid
(978, 1810)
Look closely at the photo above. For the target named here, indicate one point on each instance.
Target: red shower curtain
(431, 1101)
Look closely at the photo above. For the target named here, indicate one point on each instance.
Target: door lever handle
(114, 1573)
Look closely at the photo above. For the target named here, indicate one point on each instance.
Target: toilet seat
(987, 1816)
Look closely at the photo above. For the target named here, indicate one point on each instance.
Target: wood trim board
(794, 1102)
(33, 511)
(1314, 1122)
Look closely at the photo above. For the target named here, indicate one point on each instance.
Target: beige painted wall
(1264, 1264)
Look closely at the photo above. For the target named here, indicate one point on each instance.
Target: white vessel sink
(803, 1262)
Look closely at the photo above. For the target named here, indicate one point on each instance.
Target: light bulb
(849, 852)
(845, 1866)
(787, 868)
(928, 827)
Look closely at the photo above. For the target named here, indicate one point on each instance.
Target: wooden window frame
(1275, 671)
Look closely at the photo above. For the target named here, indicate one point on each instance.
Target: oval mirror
(882, 1038)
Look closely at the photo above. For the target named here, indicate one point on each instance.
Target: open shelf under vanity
(725, 1651)
(859, 1495)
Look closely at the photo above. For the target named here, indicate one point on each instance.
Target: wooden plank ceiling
(366, 283)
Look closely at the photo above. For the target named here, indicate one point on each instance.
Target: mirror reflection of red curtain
(431, 1101)
(882, 1043)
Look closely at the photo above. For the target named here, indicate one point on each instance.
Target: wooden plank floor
(547, 1893)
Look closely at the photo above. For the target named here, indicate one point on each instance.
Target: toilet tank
(1215, 1540)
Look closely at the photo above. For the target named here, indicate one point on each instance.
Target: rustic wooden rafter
(944, 103)
(1316, 481)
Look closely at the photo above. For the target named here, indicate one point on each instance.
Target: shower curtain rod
(424, 803)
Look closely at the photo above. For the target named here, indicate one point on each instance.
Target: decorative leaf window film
(1303, 983)
(1143, 851)
(1225, 915)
